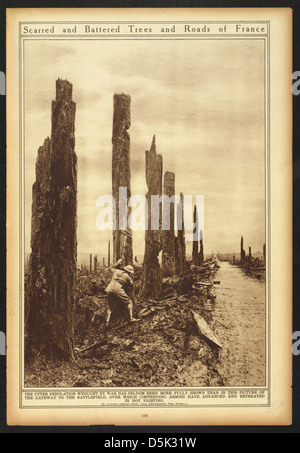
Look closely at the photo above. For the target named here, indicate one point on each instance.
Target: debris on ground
(164, 349)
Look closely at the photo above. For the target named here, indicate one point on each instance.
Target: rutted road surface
(239, 321)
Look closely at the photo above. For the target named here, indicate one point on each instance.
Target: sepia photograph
(194, 311)
(145, 214)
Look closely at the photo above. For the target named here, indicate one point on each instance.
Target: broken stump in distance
(195, 253)
(180, 246)
(201, 253)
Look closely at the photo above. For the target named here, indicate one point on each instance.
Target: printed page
(149, 216)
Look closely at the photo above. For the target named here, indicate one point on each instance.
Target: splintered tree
(168, 234)
(108, 254)
(122, 235)
(50, 286)
(152, 274)
(195, 254)
(180, 246)
(243, 253)
(201, 253)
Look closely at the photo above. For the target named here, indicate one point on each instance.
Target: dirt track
(239, 319)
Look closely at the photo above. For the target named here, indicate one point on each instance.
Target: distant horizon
(86, 256)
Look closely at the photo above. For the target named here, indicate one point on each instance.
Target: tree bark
(180, 246)
(168, 235)
(122, 236)
(201, 253)
(195, 254)
(152, 274)
(243, 253)
(49, 297)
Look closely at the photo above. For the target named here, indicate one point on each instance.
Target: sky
(204, 101)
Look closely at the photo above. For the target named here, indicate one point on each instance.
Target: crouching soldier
(120, 290)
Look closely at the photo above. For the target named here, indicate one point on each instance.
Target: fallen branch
(205, 331)
(88, 348)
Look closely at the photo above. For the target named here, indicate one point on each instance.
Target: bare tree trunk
(180, 246)
(195, 242)
(122, 236)
(49, 298)
(108, 253)
(243, 254)
(201, 253)
(152, 274)
(168, 236)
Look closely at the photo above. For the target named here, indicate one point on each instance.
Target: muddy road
(239, 321)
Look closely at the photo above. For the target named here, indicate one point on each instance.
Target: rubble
(160, 350)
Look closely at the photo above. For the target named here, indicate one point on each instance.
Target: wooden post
(95, 263)
(91, 263)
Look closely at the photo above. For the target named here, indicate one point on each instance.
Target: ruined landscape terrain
(201, 321)
(165, 348)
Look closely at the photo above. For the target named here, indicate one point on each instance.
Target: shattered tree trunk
(108, 255)
(201, 253)
(168, 235)
(151, 284)
(243, 253)
(195, 254)
(49, 299)
(122, 235)
(180, 246)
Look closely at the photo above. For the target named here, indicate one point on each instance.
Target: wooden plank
(205, 331)
(203, 283)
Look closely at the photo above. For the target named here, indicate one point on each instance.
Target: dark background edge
(162, 431)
